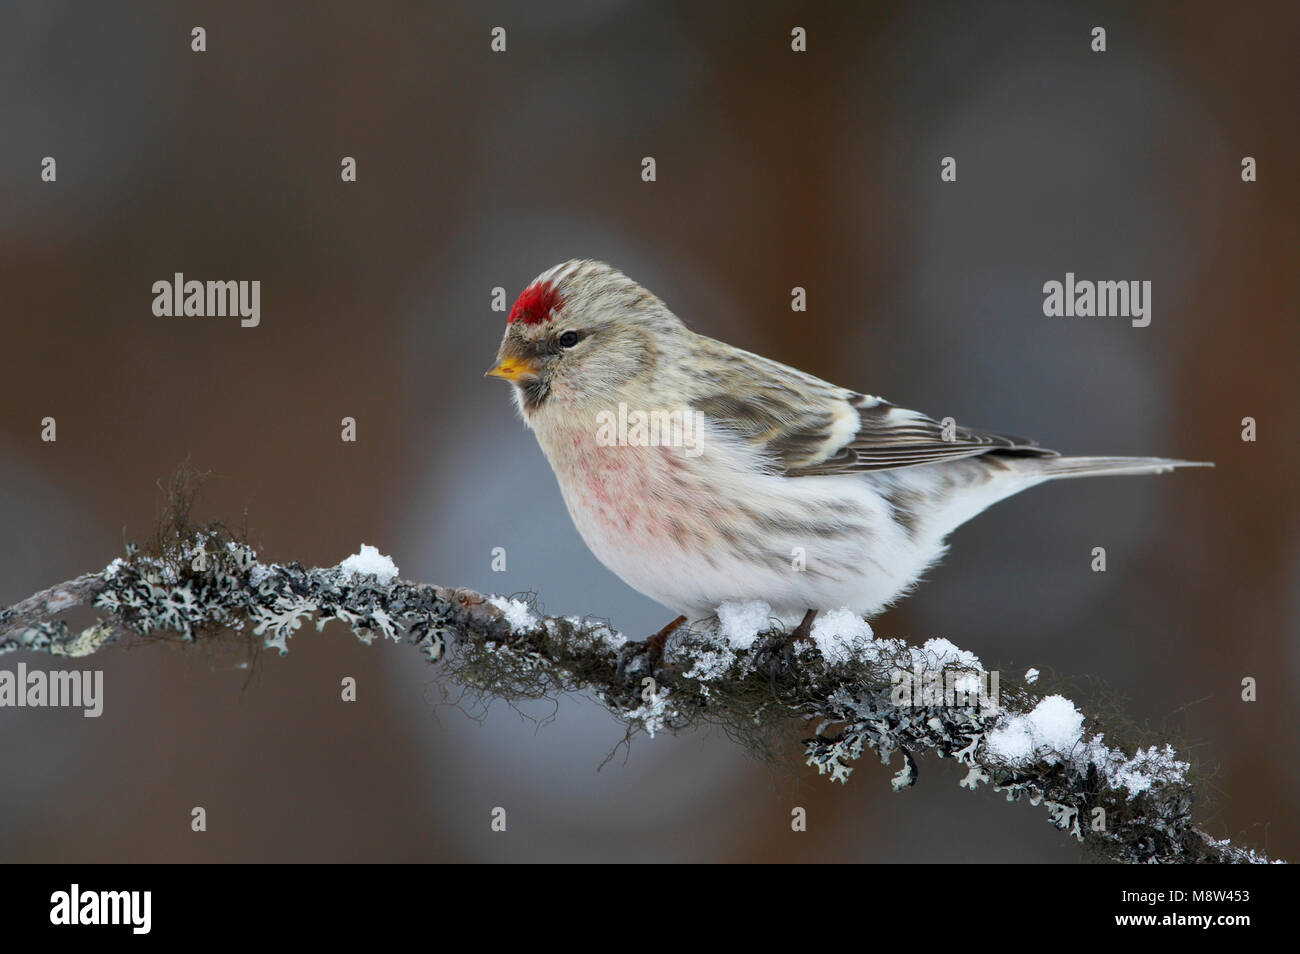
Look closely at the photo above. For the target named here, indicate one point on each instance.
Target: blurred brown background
(775, 169)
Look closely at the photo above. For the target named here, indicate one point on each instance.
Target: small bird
(700, 473)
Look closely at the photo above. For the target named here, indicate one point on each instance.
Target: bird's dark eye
(569, 339)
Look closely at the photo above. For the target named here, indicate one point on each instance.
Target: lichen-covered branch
(1126, 804)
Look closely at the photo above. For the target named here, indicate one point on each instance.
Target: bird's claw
(654, 647)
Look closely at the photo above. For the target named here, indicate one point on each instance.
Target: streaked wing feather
(890, 437)
(809, 427)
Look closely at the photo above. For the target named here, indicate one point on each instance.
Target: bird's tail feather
(952, 510)
(1054, 468)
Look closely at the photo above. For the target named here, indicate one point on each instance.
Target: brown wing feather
(809, 427)
(890, 437)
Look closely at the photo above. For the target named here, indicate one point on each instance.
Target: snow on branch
(1125, 803)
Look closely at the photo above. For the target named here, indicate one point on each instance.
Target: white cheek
(518, 396)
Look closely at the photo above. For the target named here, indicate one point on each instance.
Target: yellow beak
(512, 369)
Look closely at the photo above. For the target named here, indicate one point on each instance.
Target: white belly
(692, 532)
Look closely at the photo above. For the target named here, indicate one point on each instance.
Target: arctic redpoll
(701, 473)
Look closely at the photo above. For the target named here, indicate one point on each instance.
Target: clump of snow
(967, 682)
(110, 571)
(741, 622)
(837, 632)
(370, 562)
(1146, 768)
(610, 637)
(711, 664)
(516, 612)
(1031, 676)
(1053, 731)
(946, 653)
(653, 715)
(1049, 732)
(599, 632)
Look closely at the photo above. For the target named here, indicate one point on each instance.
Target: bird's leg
(804, 630)
(801, 633)
(657, 641)
(655, 645)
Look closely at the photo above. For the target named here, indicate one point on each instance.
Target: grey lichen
(202, 584)
(1145, 800)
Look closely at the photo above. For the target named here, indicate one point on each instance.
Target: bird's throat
(533, 393)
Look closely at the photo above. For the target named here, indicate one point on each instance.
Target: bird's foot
(803, 632)
(654, 647)
(783, 652)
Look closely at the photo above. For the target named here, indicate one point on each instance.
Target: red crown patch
(536, 304)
